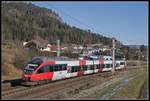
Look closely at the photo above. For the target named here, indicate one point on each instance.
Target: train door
(59, 73)
(91, 69)
(43, 74)
(80, 71)
(117, 66)
(122, 64)
(72, 71)
(85, 69)
(64, 71)
(102, 66)
(68, 71)
(107, 67)
(97, 68)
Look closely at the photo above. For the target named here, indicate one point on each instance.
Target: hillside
(24, 21)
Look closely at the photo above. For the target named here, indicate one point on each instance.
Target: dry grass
(133, 89)
(9, 70)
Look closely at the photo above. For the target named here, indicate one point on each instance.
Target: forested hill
(22, 21)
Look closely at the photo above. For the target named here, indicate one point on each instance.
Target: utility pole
(139, 57)
(58, 48)
(139, 54)
(37, 44)
(93, 65)
(113, 60)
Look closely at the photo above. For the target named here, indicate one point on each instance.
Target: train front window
(31, 66)
(28, 71)
(37, 61)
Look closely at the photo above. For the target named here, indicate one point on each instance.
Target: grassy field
(134, 87)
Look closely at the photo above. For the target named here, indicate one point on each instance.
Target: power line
(71, 16)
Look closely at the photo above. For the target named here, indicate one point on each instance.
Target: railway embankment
(95, 86)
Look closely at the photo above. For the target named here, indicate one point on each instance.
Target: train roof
(66, 58)
(53, 58)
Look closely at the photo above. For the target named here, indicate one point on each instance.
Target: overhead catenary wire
(77, 20)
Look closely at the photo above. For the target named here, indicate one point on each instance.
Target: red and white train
(41, 69)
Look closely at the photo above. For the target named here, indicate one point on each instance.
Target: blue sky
(126, 21)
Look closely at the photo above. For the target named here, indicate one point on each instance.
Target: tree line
(22, 21)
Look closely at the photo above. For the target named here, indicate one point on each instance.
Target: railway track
(12, 90)
(55, 88)
(10, 84)
(41, 87)
(20, 92)
(51, 92)
(47, 88)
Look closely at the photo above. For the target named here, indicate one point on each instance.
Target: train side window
(122, 63)
(98, 66)
(117, 65)
(102, 66)
(79, 68)
(69, 69)
(59, 67)
(91, 67)
(46, 68)
(76, 68)
(107, 65)
(88, 67)
(95, 66)
(72, 69)
(56, 67)
(84, 67)
(64, 67)
(41, 70)
(51, 68)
